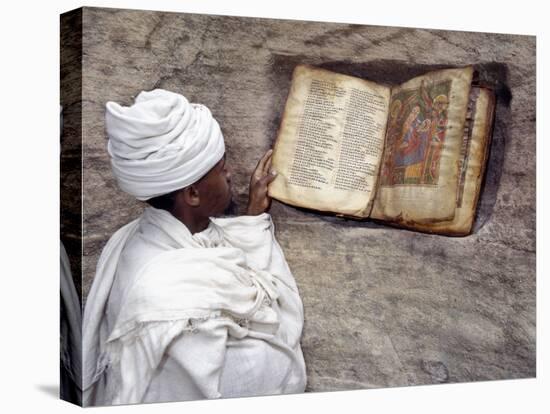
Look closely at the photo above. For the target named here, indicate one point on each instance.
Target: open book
(412, 155)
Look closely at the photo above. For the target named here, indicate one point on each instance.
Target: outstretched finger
(268, 178)
(263, 161)
(267, 166)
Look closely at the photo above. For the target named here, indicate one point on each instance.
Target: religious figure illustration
(412, 145)
(416, 134)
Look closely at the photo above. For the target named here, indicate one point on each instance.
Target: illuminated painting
(416, 135)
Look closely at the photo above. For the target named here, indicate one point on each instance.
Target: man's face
(215, 190)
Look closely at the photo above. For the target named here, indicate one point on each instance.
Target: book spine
(71, 206)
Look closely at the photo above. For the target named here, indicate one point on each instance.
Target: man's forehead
(215, 168)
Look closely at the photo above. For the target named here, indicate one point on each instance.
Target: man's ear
(191, 196)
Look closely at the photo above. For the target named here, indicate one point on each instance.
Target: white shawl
(71, 319)
(156, 283)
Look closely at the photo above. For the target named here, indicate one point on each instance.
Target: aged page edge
(464, 219)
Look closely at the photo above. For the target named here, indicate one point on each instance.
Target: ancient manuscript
(412, 154)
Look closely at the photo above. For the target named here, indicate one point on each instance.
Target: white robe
(173, 316)
(70, 333)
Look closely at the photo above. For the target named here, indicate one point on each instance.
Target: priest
(187, 303)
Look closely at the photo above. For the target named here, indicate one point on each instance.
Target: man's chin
(232, 208)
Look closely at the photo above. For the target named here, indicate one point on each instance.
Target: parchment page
(419, 172)
(475, 147)
(330, 142)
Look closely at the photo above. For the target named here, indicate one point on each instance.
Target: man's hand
(258, 200)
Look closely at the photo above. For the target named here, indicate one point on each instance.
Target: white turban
(161, 143)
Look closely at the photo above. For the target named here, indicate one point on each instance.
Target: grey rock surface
(383, 306)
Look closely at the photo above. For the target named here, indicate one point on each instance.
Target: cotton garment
(70, 326)
(161, 143)
(173, 316)
(70, 333)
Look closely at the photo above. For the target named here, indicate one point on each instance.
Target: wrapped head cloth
(161, 143)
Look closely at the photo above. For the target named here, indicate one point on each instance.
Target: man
(185, 305)
(70, 326)
(70, 334)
